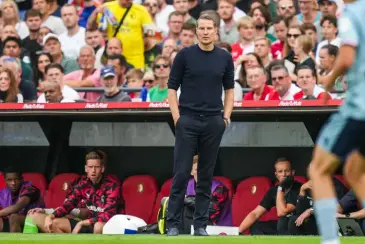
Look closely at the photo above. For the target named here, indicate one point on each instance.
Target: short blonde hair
(134, 73)
(245, 22)
(306, 43)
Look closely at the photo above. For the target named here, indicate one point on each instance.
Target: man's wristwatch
(347, 215)
(228, 120)
(280, 188)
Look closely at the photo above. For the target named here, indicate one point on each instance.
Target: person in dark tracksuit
(303, 221)
(200, 71)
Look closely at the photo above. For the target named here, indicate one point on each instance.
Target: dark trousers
(309, 226)
(202, 134)
(264, 228)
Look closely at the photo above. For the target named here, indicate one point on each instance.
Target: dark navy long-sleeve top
(201, 76)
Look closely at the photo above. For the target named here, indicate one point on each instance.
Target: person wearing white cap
(52, 44)
(112, 92)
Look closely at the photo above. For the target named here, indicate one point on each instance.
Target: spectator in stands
(283, 196)
(330, 7)
(285, 8)
(53, 23)
(162, 17)
(262, 19)
(85, 9)
(256, 79)
(281, 30)
(9, 92)
(120, 67)
(311, 31)
(161, 68)
(54, 9)
(52, 44)
(327, 57)
(228, 31)
(113, 47)
(43, 59)
(87, 76)
(43, 31)
(16, 199)
(220, 212)
(53, 94)
(26, 88)
(307, 82)
(130, 35)
(294, 31)
(175, 24)
(302, 49)
(151, 51)
(102, 204)
(10, 16)
(168, 47)
(33, 19)
(243, 63)
(182, 6)
(94, 38)
(329, 31)
(303, 221)
(152, 8)
(245, 45)
(149, 80)
(112, 92)
(309, 12)
(281, 80)
(55, 73)
(187, 35)
(72, 40)
(134, 79)
(262, 49)
(12, 48)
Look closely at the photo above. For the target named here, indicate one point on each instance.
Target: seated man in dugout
(98, 193)
(16, 199)
(220, 212)
(283, 196)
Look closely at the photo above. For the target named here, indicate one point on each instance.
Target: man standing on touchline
(201, 70)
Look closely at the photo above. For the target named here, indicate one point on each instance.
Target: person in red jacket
(307, 82)
(256, 79)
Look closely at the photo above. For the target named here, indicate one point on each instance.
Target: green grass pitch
(159, 239)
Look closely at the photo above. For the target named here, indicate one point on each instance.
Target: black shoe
(173, 232)
(200, 232)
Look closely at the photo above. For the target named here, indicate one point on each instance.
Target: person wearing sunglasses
(161, 68)
(284, 89)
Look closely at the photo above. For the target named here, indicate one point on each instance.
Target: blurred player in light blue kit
(343, 137)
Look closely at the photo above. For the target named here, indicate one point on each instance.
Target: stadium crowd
(50, 49)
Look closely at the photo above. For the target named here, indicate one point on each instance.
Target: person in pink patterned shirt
(87, 76)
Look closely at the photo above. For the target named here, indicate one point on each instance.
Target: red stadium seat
(2, 181)
(227, 183)
(164, 192)
(249, 194)
(57, 189)
(139, 193)
(300, 179)
(38, 180)
(343, 180)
